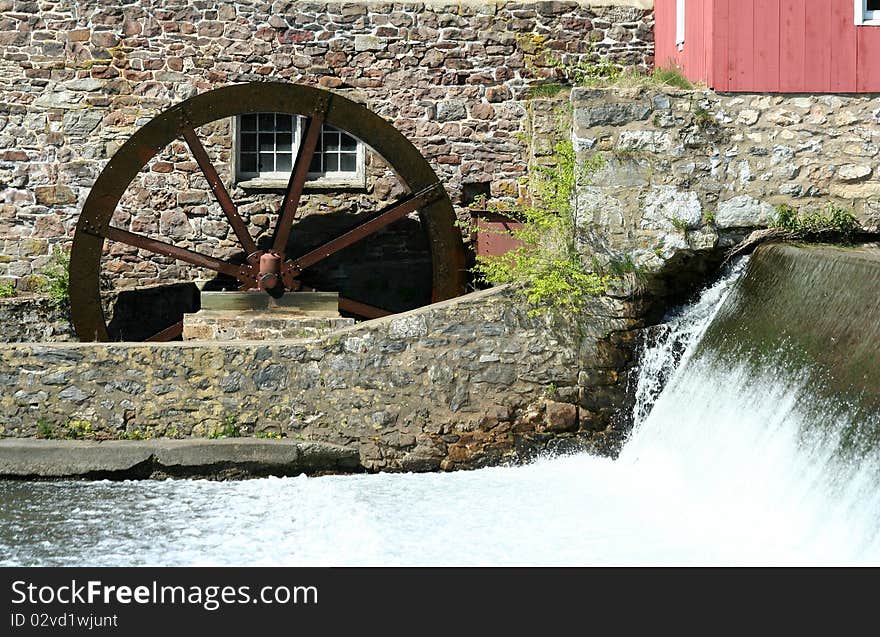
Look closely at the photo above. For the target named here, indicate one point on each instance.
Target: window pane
(350, 143)
(283, 142)
(267, 142)
(348, 162)
(248, 163)
(267, 121)
(283, 122)
(282, 162)
(315, 166)
(873, 5)
(331, 141)
(267, 162)
(248, 141)
(331, 162)
(248, 122)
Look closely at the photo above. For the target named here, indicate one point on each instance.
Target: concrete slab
(130, 459)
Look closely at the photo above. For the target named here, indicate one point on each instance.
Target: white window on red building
(867, 12)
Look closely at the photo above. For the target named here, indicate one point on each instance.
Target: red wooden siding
(785, 46)
(696, 58)
(767, 52)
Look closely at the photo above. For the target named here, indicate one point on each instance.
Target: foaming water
(721, 469)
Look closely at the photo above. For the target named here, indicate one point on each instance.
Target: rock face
(454, 385)
(743, 212)
(80, 78)
(688, 173)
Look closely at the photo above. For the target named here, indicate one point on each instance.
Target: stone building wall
(463, 383)
(692, 172)
(77, 78)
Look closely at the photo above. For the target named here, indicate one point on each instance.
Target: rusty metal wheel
(270, 268)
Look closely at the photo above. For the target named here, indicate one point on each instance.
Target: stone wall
(691, 172)
(462, 383)
(34, 319)
(77, 78)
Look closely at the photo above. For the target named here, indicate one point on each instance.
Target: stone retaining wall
(689, 172)
(462, 383)
(76, 79)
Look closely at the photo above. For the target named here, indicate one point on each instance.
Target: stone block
(55, 195)
(744, 211)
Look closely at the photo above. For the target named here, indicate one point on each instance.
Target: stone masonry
(463, 383)
(77, 78)
(691, 172)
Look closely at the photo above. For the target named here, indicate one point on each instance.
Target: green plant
(702, 117)
(45, 429)
(135, 434)
(590, 73)
(621, 266)
(710, 218)
(78, 430)
(7, 289)
(227, 430)
(272, 435)
(547, 89)
(681, 225)
(833, 223)
(547, 266)
(57, 274)
(671, 76)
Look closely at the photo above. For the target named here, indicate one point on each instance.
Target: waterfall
(756, 411)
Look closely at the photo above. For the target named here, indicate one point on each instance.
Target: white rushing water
(716, 472)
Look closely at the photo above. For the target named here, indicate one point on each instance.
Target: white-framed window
(867, 12)
(265, 147)
(679, 24)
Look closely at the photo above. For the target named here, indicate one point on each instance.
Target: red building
(787, 46)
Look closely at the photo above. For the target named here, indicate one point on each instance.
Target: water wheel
(269, 267)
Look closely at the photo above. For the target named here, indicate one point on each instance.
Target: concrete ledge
(134, 459)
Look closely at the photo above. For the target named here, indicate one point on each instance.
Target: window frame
(865, 17)
(278, 180)
(680, 13)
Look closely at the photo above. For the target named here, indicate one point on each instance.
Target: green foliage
(45, 429)
(57, 274)
(681, 225)
(78, 430)
(227, 430)
(671, 76)
(548, 89)
(580, 73)
(547, 266)
(622, 266)
(135, 434)
(271, 435)
(702, 117)
(833, 223)
(710, 218)
(7, 289)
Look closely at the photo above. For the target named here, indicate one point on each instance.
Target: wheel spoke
(168, 334)
(297, 183)
(374, 224)
(168, 250)
(219, 190)
(362, 309)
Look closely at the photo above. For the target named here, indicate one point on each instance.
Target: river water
(722, 468)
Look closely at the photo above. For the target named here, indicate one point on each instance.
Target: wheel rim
(426, 195)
